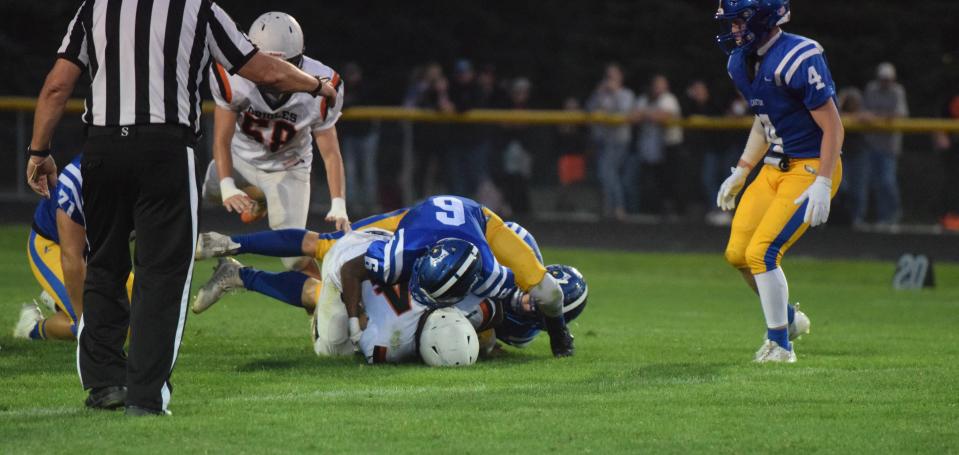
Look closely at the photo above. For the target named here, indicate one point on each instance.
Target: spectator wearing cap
(873, 174)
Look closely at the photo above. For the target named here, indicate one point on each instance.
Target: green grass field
(663, 365)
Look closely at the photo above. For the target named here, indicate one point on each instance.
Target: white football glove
(819, 195)
(234, 199)
(726, 199)
(337, 214)
(355, 332)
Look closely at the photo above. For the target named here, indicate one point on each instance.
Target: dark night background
(560, 46)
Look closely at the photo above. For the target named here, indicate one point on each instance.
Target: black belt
(777, 160)
(179, 131)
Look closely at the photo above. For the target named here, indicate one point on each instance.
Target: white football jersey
(390, 335)
(275, 137)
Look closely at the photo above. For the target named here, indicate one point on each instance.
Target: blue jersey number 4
(815, 78)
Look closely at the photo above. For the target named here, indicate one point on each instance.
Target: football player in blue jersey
(797, 135)
(56, 251)
(505, 259)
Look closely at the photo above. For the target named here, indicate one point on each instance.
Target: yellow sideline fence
(544, 117)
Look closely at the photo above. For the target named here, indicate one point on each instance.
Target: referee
(145, 60)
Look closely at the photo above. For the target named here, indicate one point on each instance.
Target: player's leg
(288, 202)
(750, 211)
(530, 275)
(781, 226)
(44, 257)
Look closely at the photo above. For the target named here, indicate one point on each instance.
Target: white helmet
(448, 339)
(277, 34)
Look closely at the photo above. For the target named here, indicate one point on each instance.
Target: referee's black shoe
(107, 398)
(136, 411)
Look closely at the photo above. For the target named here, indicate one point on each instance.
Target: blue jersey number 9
(452, 211)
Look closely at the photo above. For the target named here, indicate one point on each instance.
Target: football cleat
(47, 301)
(213, 245)
(29, 317)
(799, 326)
(771, 352)
(226, 278)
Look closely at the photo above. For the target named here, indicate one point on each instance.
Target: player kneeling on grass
(397, 328)
(798, 129)
(263, 141)
(57, 251)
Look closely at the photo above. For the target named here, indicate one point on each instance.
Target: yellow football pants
(386, 222)
(767, 221)
(511, 251)
(44, 257)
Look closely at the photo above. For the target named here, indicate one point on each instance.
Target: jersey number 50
(280, 131)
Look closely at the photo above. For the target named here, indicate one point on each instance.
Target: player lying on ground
(396, 329)
(416, 230)
(57, 252)
(516, 318)
(263, 141)
(790, 90)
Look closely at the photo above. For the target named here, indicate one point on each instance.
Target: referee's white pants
(287, 197)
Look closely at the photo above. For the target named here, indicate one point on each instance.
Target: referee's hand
(42, 175)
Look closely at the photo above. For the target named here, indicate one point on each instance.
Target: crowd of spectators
(647, 166)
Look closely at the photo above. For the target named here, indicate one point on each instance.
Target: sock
(774, 297)
(39, 331)
(278, 243)
(286, 287)
(791, 313)
(780, 336)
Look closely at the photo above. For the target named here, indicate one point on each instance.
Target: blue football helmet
(446, 273)
(575, 290)
(758, 18)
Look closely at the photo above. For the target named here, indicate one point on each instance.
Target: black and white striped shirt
(146, 58)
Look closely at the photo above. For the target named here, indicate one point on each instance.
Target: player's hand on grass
(234, 199)
(337, 214)
(355, 332)
(819, 195)
(726, 199)
(42, 174)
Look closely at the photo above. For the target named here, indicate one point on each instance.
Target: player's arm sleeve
(756, 145)
(74, 45)
(227, 44)
(809, 78)
(220, 87)
(511, 251)
(329, 115)
(385, 261)
(68, 193)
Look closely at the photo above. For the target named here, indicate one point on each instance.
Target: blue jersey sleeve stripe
(798, 61)
(398, 254)
(73, 189)
(789, 55)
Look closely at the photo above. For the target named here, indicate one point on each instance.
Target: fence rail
(546, 117)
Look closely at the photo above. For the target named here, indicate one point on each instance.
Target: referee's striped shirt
(146, 58)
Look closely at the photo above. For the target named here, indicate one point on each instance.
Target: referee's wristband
(38, 153)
